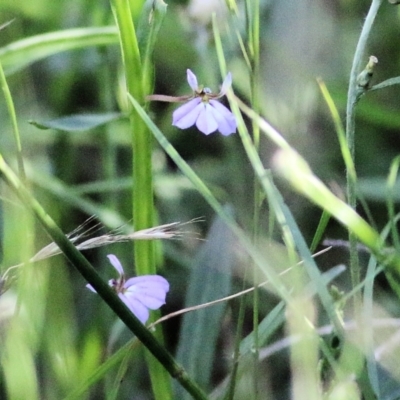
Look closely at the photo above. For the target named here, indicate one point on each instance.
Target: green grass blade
(152, 17)
(102, 371)
(319, 233)
(296, 170)
(210, 279)
(391, 183)
(341, 134)
(142, 190)
(310, 265)
(368, 333)
(13, 118)
(20, 54)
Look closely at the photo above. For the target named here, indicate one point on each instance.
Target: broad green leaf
(78, 122)
(209, 280)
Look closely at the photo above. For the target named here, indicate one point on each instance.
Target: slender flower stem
(142, 192)
(253, 64)
(253, 15)
(350, 134)
(101, 287)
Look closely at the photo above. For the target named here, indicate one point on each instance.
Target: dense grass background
(318, 331)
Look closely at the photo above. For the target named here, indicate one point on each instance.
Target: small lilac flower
(202, 108)
(140, 293)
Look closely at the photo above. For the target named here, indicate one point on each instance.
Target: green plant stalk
(229, 395)
(368, 332)
(347, 156)
(150, 23)
(352, 95)
(101, 287)
(253, 23)
(319, 232)
(136, 7)
(142, 194)
(385, 84)
(13, 118)
(391, 181)
(230, 391)
(355, 69)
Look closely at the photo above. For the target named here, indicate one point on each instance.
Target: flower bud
(365, 76)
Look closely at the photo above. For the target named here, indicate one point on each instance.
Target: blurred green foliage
(300, 41)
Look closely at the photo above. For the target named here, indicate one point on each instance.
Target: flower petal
(148, 279)
(150, 290)
(192, 80)
(116, 264)
(90, 287)
(206, 122)
(225, 119)
(141, 312)
(225, 85)
(186, 115)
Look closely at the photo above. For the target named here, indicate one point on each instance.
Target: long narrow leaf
(210, 279)
(20, 54)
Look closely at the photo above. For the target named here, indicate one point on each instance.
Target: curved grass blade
(18, 55)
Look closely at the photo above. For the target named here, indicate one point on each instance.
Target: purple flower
(140, 293)
(204, 111)
(202, 108)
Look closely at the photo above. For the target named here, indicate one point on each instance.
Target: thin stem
(253, 7)
(230, 393)
(13, 117)
(350, 136)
